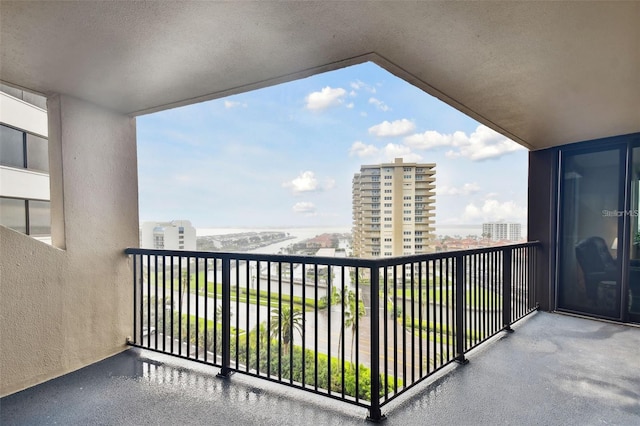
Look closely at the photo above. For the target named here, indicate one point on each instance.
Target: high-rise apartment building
(174, 235)
(502, 231)
(24, 163)
(393, 209)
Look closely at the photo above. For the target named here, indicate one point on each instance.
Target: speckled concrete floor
(554, 370)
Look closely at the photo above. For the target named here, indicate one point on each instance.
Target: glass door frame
(634, 211)
(625, 144)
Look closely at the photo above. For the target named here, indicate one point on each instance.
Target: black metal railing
(358, 330)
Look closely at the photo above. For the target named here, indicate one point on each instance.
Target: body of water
(299, 234)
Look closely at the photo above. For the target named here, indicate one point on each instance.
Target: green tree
(283, 323)
(353, 307)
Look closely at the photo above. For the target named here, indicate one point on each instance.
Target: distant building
(502, 231)
(24, 163)
(174, 235)
(322, 241)
(393, 209)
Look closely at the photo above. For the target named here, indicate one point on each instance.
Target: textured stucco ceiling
(541, 73)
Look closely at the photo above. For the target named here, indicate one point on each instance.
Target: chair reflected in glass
(600, 273)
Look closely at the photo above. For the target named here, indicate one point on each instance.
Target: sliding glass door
(592, 217)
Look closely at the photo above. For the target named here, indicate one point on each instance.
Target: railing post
(461, 307)
(533, 277)
(506, 289)
(131, 339)
(375, 415)
(225, 371)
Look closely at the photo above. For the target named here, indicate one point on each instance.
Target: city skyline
(305, 139)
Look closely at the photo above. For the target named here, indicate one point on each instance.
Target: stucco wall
(68, 305)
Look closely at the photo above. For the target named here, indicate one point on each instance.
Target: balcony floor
(554, 369)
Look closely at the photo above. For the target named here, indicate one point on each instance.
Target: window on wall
(39, 217)
(13, 214)
(31, 217)
(23, 150)
(11, 147)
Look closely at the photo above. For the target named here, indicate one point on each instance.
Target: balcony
(361, 331)
(554, 369)
(68, 305)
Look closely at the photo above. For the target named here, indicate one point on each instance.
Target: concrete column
(542, 213)
(67, 306)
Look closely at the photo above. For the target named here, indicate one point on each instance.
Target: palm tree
(349, 300)
(283, 322)
(355, 305)
(182, 278)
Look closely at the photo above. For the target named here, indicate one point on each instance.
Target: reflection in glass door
(633, 300)
(591, 217)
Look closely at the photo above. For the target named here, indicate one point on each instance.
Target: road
(398, 353)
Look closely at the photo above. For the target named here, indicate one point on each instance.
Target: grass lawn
(473, 297)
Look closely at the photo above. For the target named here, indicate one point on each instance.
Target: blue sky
(284, 156)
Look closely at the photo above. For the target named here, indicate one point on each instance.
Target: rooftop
(555, 369)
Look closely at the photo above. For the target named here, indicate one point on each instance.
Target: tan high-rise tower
(393, 209)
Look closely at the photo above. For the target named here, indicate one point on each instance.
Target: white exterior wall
(76, 293)
(23, 183)
(22, 115)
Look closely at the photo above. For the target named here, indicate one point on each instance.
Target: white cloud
(349, 105)
(482, 144)
(432, 139)
(392, 151)
(234, 104)
(305, 182)
(379, 104)
(386, 154)
(360, 149)
(327, 97)
(304, 207)
(363, 114)
(392, 128)
(466, 189)
(361, 85)
(495, 211)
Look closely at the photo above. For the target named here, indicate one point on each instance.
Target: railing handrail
(424, 312)
(324, 260)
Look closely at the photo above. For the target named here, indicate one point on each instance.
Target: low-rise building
(174, 235)
(498, 231)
